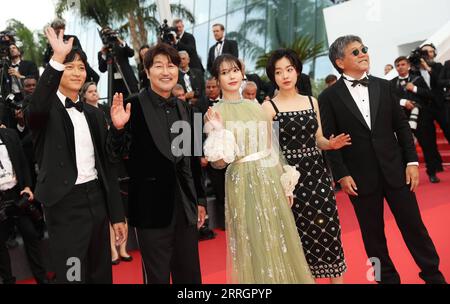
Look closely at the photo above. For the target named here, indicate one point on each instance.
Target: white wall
(386, 26)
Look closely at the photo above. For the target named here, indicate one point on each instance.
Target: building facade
(260, 26)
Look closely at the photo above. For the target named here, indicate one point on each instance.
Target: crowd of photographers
(422, 88)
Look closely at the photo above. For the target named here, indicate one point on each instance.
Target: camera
(11, 102)
(29, 208)
(6, 39)
(109, 37)
(167, 34)
(415, 57)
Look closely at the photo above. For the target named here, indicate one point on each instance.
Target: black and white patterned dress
(314, 206)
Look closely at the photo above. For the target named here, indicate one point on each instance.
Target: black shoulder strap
(311, 102)
(274, 106)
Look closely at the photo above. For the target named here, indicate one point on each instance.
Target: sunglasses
(364, 50)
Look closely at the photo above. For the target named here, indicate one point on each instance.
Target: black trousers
(217, 178)
(31, 239)
(170, 251)
(426, 136)
(78, 227)
(441, 115)
(369, 210)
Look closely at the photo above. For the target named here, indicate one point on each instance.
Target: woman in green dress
(263, 244)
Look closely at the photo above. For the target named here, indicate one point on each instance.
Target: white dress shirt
(15, 88)
(219, 48)
(7, 175)
(84, 147)
(360, 95)
(426, 75)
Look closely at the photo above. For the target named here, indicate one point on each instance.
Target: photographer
(191, 79)
(15, 70)
(16, 204)
(118, 51)
(415, 97)
(185, 41)
(430, 71)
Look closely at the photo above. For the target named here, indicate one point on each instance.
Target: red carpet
(434, 201)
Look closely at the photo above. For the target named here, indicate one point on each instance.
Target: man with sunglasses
(380, 164)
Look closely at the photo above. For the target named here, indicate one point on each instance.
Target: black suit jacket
(187, 43)
(19, 162)
(436, 87)
(423, 96)
(122, 55)
(197, 81)
(154, 172)
(54, 146)
(229, 47)
(444, 76)
(381, 151)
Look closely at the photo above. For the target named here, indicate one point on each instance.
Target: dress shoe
(126, 259)
(115, 262)
(434, 179)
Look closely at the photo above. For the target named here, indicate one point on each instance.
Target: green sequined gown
(263, 244)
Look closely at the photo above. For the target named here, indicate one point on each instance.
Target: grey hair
(184, 53)
(338, 47)
(178, 87)
(250, 84)
(58, 23)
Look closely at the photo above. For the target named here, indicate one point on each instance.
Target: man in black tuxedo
(166, 196)
(15, 180)
(430, 71)
(186, 42)
(75, 182)
(415, 96)
(60, 25)
(380, 164)
(122, 72)
(191, 79)
(222, 46)
(444, 81)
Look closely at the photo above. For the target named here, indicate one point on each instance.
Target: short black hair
(161, 49)
(401, 58)
(145, 46)
(73, 55)
(221, 59)
(276, 55)
(330, 78)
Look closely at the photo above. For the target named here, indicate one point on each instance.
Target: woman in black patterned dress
(300, 139)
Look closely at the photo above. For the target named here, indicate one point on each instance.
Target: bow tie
(14, 65)
(403, 79)
(78, 105)
(364, 82)
(219, 42)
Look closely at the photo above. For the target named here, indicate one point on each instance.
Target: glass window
(218, 8)
(201, 39)
(235, 4)
(201, 11)
(254, 30)
(234, 20)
